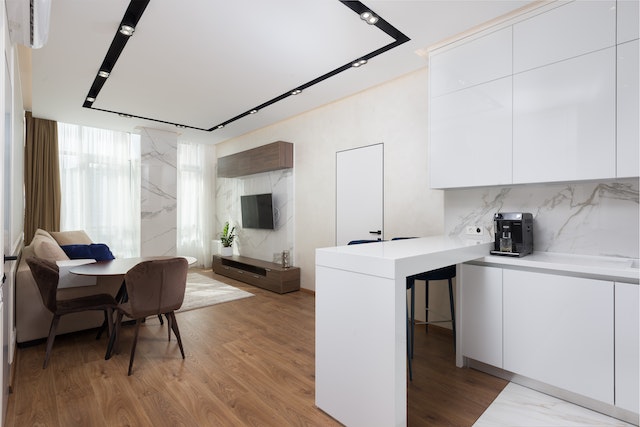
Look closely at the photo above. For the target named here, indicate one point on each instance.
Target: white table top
(403, 257)
(600, 267)
(118, 266)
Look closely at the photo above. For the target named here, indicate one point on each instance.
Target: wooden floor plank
(248, 362)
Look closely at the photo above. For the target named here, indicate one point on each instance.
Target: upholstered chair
(154, 287)
(46, 276)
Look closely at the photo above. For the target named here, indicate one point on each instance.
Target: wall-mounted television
(257, 211)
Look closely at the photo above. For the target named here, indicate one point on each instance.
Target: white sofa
(32, 317)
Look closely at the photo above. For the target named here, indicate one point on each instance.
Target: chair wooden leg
(133, 347)
(114, 339)
(50, 339)
(174, 326)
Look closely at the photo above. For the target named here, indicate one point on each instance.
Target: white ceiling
(200, 63)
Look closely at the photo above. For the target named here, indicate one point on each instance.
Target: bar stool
(445, 273)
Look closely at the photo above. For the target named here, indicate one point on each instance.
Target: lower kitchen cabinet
(559, 330)
(626, 348)
(481, 313)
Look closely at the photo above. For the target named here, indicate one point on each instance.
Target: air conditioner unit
(28, 21)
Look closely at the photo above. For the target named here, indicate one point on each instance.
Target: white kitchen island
(361, 377)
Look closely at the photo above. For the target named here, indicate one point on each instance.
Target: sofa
(32, 317)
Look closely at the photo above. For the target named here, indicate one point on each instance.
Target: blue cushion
(97, 251)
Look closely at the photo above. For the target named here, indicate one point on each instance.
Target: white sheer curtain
(100, 184)
(196, 190)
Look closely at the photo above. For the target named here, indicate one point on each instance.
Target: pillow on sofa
(97, 251)
(44, 247)
(76, 237)
(41, 232)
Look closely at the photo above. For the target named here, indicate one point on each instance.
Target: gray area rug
(203, 291)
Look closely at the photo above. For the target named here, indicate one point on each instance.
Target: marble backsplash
(266, 245)
(586, 218)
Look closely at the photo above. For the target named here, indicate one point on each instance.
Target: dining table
(118, 267)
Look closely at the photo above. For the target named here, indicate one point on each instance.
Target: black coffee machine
(513, 234)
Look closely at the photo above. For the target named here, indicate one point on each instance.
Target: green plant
(227, 236)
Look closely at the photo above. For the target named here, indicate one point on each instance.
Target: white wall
(395, 114)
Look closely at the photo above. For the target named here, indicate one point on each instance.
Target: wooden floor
(248, 362)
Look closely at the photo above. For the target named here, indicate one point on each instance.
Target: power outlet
(474, 230)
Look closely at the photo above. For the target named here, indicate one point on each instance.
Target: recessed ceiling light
(90, 99)
(296, 92)
(359, 63)
(103, 74)
(126, 116)
(253, 111)
(369, 17)
(219, 126)
(127, 30)
(181, 126)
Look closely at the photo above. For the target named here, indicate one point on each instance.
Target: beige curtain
(41, 177)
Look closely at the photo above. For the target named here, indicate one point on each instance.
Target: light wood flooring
(248, 362)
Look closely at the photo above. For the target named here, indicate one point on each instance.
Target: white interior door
(359, 194)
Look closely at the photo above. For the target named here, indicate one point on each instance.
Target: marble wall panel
(158, 196)
(587, 218)
(261, 244)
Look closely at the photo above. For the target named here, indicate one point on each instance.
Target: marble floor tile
(518, 406)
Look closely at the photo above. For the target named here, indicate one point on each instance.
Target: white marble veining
(261, 244)
(588, 218)
(518, 406)
(158, 196)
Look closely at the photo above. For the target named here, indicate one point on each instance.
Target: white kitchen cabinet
(481, 313)
(566, 31)
(628, 12)
(627, 355)
(564, 121)
(470, 138)
(628, 152)
(467, 64)
(559, 330)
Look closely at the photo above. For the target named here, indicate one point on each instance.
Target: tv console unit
(263, 274)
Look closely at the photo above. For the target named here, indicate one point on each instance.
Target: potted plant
(226, 238)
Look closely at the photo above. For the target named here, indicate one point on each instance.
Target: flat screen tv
(257, 211)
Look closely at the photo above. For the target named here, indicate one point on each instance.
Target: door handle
(378, 232)
(10, 258)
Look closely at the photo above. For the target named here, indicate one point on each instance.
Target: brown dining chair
(46, 274)
(154, 287)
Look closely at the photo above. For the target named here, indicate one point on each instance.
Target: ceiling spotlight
(181, 126)
(103, 74)
(253, 111)
(90, 99)
(126, 116)
(219, 126)
(127, 30)
(359, 63)
(296, 92)
(369, 17)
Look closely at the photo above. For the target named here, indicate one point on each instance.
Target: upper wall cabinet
(478, 61)
(628, 20)
(471, 98)
(564, 32)
(471, 136)
(628, 150)
(564, 123)
(574, 111)
(270, 157)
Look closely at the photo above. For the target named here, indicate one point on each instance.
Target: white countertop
(409, 256)
(599, 267)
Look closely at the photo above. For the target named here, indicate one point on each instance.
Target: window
(100, 185)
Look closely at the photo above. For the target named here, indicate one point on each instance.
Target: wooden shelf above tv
(266, 158)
